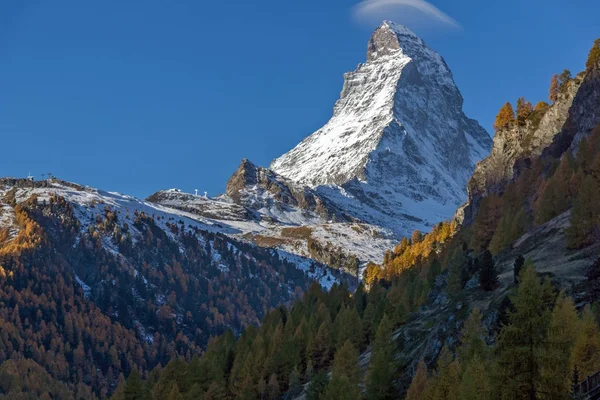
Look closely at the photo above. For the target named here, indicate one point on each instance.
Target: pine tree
(554, 88)
(522, 343)
(488, 276)
(505, 117)
(594, 56)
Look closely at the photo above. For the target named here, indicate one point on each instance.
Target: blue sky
(136, 96)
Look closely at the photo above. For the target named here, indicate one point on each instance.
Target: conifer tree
(345, 376)
(215, 391)
(419, 384)
(382, 369)
(472, 342)
(319, 351)
(475, 383)
(446, 383)
(505, 117)
(273, 387)
(585, 216)
(561, 338)
(540, 105)
(488, 276)
(524, 110)
(346, 362)
(522, 343)
(517, 268)
(586, 349)
(134, 389)
(317, 386)
(565, 79)
(554, 88)
(175, 394)
(593, 278)
(341, 388)
(594, 56)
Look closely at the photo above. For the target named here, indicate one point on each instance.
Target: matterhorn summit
(399, 150)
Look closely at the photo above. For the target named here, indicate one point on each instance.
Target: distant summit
(399, 150)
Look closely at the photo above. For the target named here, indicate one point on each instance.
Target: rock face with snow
(398, 150)
(264, 191)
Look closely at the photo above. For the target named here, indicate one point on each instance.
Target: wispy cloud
(403, 11)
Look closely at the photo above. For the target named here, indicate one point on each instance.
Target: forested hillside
(90, 292)
(500, 303)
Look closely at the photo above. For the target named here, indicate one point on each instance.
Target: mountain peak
(398, 141)
(390, 38)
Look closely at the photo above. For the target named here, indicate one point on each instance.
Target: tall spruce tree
(518, 267)
(488, 276)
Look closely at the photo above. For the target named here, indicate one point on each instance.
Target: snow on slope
(398, 150)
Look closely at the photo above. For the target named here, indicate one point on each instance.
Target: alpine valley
(397, 241)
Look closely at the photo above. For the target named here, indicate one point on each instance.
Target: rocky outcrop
(398, 150)
(261, 189)
(514, 148)
(584, 115)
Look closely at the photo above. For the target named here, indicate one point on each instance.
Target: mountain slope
(398, 150)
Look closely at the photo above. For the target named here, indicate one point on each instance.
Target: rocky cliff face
(548, 132)
(278, 198)
(398, 150)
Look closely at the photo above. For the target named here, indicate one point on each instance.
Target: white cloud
(408, 12)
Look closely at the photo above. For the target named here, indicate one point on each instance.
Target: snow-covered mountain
(399, 150)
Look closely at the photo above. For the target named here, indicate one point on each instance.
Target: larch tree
(594, 56)
(505, 117)
(586, 349)
(554, 88)
(522, 343)
(561, 337)
(585, 216)
(382, 370)
(419, 384)
(524, 110)
(475, 383)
